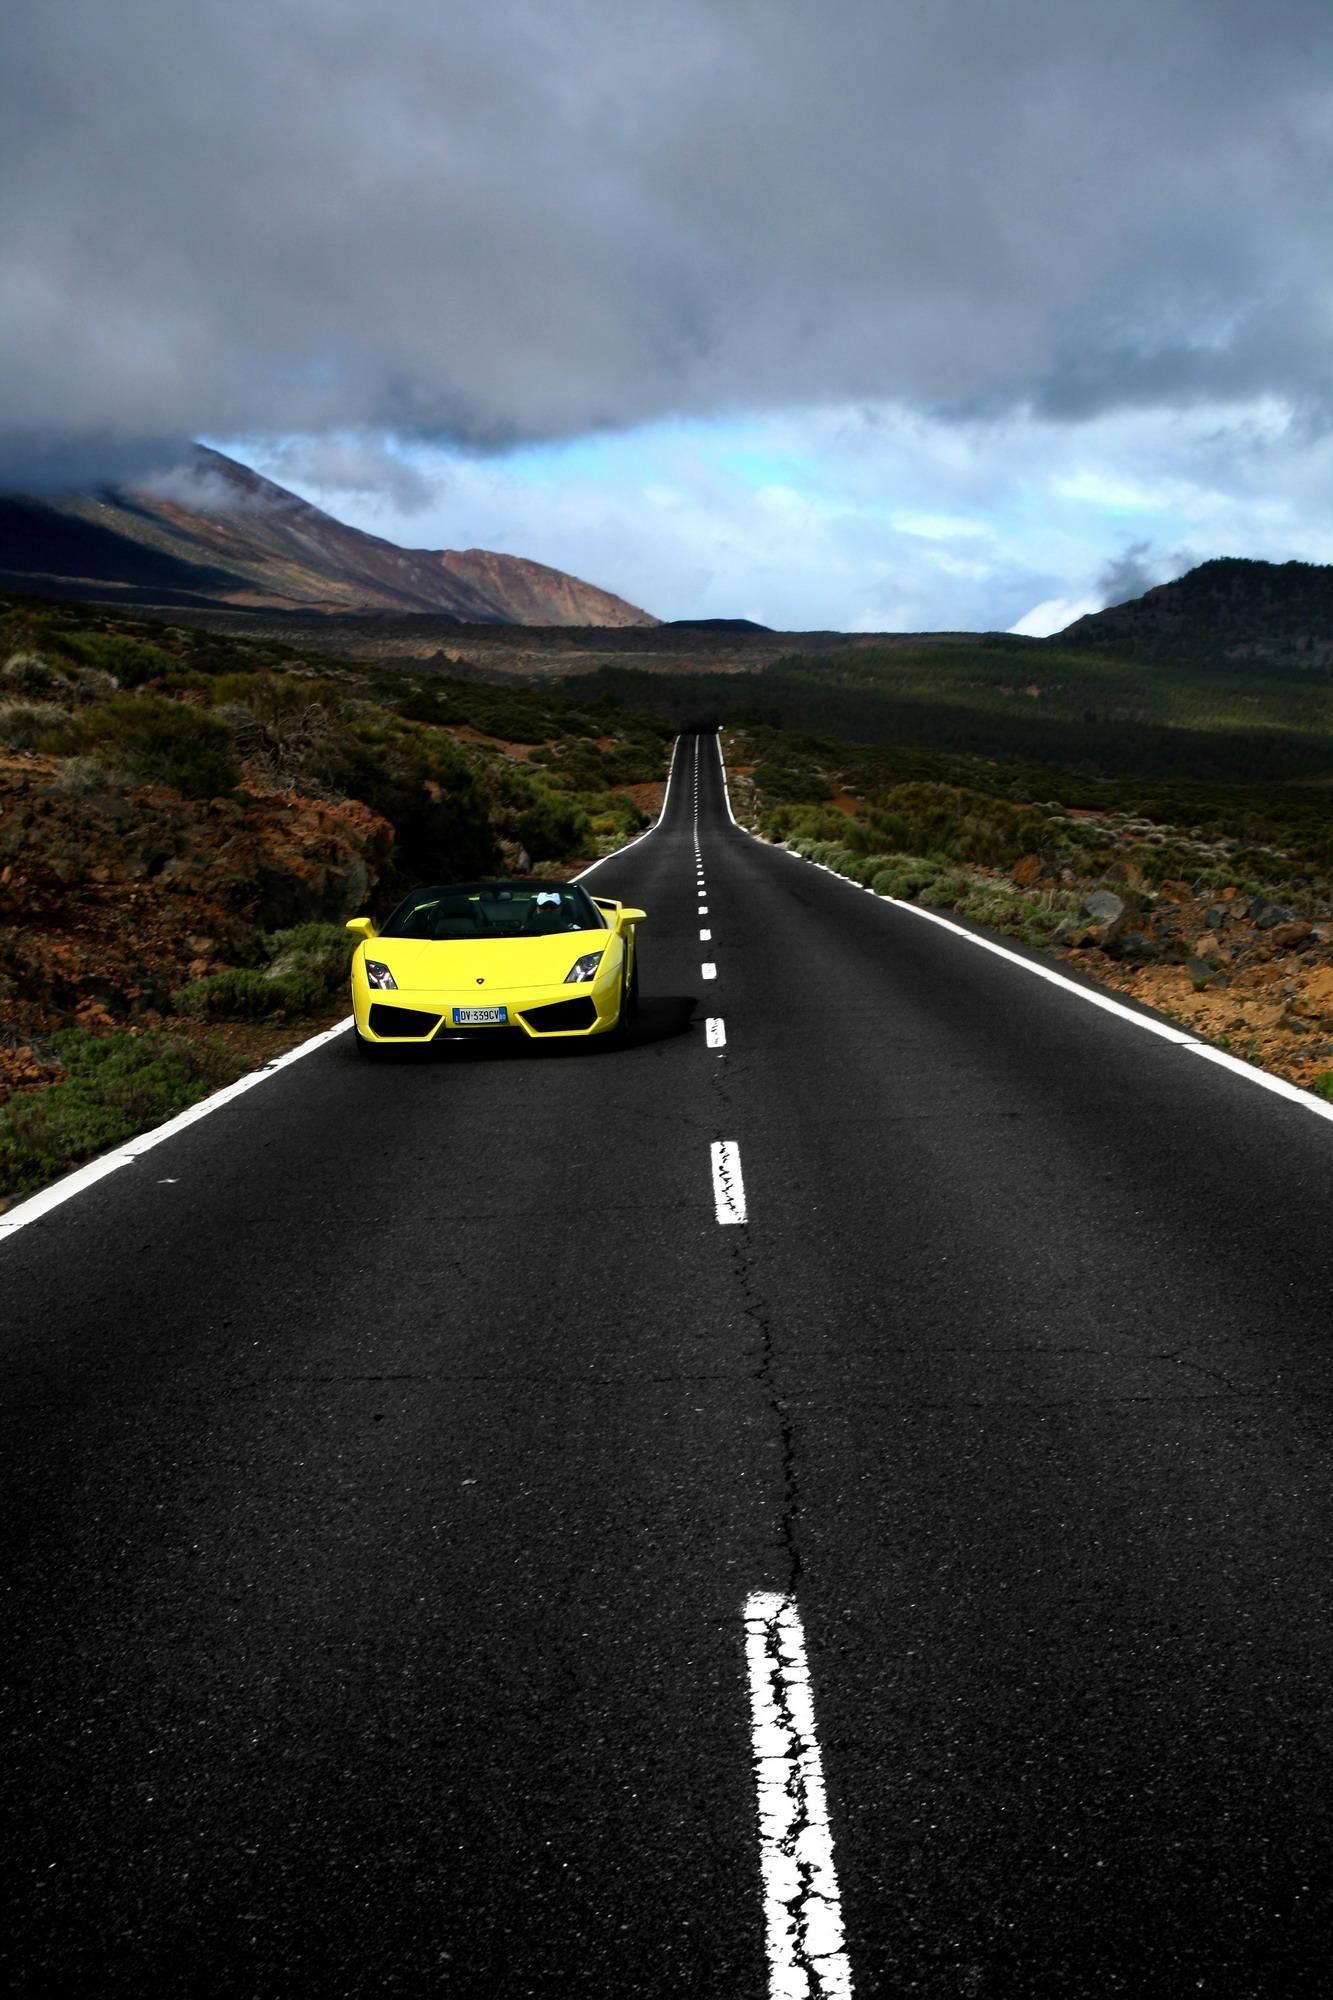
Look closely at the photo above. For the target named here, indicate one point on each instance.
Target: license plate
(481, 1017)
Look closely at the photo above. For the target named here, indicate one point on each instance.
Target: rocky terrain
(215, 533)
(113, 900)
(186, 822)
(1246, 972)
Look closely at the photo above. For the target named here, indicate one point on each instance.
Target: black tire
(368, 1051)
(629, 1003)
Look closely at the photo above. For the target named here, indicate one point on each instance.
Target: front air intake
(562, 1017)
(402, 1021)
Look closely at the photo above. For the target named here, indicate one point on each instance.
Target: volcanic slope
(215, 533)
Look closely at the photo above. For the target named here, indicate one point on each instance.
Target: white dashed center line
(703, 909)
(802, 1908)
(708, 969)
(705, 937)
(715, 1031)
(728, 1187)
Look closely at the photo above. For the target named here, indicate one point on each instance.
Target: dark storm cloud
(1137, 568)
(516, 219)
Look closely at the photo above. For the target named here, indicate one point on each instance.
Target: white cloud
(815, 518)
(1099, 489)
(1053, 615)
(940, 527)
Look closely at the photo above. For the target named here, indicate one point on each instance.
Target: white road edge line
(1178, 1036)
(715, 1032)
(40, 1204)
(616, 852)
(802, 1907)
(728, 1186)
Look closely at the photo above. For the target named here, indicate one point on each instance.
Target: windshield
(462, 910)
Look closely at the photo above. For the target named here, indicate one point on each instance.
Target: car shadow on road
(659, 1019)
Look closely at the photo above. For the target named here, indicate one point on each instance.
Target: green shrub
(317, 951)
(905, 876)
(131, 661)
(789, 783)
(153, 741)
(1323, 1084)
(553, 828)
(32, 725)
(246, 995)
(423, 785)
(115, 1086)
(949, 888)
(428, 705)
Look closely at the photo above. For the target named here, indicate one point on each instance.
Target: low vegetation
(1212, 901)
(946, 810)
(1029, 702)
(108, 1088)
(305, 966)
(188, 817)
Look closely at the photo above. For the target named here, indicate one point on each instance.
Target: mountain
(212, 533)
(1252, 614)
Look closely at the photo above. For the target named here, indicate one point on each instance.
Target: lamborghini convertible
(469, 959)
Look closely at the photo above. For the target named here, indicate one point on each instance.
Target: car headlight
(584, 969)
(378, 974)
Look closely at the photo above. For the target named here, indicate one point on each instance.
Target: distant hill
(1251, 614)
(215, 534)
(716, 625)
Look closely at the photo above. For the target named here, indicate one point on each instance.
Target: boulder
(1137, 947)
(1202, 974)
(1264, 914)
(1105, 914)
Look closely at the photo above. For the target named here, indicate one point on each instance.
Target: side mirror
(363, 927)
(633, 916)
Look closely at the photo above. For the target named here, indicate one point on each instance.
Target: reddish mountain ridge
(214, 533)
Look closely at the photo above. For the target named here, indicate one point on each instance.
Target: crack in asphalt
(755, 1309)
(1177, 1357)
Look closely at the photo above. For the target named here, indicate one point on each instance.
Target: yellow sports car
(464, 959)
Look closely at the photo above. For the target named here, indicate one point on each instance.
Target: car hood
(419, 964)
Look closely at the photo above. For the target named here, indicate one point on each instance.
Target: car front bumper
(541, 1013)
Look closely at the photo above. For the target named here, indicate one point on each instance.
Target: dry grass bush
(80, 777)
(154, 741)
(32, 725)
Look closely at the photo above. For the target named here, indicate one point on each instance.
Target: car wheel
(629, 1004)
(368, 1051)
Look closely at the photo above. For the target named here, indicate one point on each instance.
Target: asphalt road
(389, 1458)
